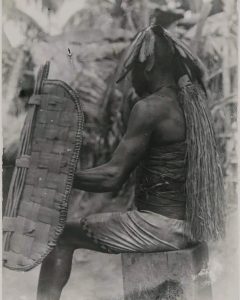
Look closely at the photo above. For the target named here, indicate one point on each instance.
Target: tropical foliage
(96, 32)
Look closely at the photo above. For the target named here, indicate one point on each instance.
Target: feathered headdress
(143, 48)
(205, 203)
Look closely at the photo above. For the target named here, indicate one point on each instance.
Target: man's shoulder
(154, 107)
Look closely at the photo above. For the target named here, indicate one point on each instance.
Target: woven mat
(38, 197)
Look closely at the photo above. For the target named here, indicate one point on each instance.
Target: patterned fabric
(161, 181)
(135, 231)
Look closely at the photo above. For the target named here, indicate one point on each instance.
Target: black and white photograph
(119, 155)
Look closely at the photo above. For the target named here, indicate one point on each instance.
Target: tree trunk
(202, 18)
(145, 13)
(195, 5)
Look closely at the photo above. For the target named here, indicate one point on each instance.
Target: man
(170, 142)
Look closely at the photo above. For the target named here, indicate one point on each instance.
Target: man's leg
(56, 268)
(55, 272)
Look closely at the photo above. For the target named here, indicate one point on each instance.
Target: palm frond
(130, 55)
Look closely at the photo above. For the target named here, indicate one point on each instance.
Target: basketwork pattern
(33, 225)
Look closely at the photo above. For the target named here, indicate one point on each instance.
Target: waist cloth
(135, 231)
(157, 224)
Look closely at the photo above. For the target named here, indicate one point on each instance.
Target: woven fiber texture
(38, 197)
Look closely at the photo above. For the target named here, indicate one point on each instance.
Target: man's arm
(112, 175)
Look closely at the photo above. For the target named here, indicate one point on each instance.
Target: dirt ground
(97, 276)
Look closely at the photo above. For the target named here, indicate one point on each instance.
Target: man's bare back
(170, 126)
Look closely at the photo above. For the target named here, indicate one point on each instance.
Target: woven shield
(40, 188)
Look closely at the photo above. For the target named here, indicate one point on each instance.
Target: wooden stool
(173, 275)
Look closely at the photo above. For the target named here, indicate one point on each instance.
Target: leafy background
(96, 32)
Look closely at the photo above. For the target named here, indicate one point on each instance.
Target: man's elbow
(114, 181)
(117, 184)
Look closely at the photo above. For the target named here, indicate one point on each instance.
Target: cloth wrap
(161, 181)
(135, 231)
(41, 184)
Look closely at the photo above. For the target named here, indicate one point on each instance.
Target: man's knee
(67, 237)
(64, 245)
(74, 237)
